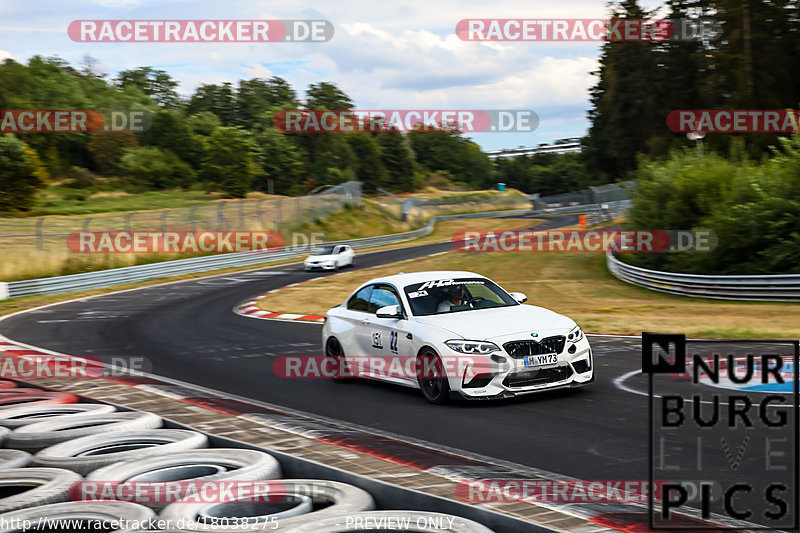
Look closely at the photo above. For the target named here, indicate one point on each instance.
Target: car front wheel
(431, 377)
(334, 350)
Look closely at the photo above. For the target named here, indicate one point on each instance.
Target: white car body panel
(403, 338)
(342, 256)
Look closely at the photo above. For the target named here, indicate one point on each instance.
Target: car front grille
(520, 349)
(538, 377)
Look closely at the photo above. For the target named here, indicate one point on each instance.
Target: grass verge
(577, 285)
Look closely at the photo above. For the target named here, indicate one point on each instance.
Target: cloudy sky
(384, 55)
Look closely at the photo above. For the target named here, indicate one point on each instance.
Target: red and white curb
(250, 309)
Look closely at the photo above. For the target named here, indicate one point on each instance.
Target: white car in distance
(464, 336)
(330, 257)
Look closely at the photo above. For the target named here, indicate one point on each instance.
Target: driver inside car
(455, 295)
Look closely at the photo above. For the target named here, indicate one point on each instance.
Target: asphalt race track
(188, 331)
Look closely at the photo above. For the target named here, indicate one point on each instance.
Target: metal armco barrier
(132, 274)
(775, 288)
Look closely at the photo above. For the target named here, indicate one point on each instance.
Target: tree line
(221, 138)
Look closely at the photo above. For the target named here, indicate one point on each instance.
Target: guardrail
(775, 288)
(117, 276)
(132, 274)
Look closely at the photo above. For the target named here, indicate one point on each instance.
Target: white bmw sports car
(331, 257)
(454, 334)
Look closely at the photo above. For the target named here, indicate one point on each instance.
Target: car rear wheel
(431, 377)
(334, 350)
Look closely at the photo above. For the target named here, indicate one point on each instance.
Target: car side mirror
(519, 297)
(390, 311)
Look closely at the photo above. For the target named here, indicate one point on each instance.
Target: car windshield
(443, 296)
(325, 250)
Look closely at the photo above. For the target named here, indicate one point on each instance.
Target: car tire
(232, 464)
(435, 388)
(74, 454)
(14, 417)
(85, 514)
(413, 521)
(35, 437)
(14, 459)
(30, 487)
(334, 350)
(341, 498)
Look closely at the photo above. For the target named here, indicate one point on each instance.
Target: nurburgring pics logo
(729, 420)
(200, 31)
(649, 241)
(614, 30)
(73, 120)
(734, 120)
(404, 120)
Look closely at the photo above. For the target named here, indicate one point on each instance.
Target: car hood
(320, 257)
(487, 324)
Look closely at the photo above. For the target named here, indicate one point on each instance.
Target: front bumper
(319, 266)
(510, 378)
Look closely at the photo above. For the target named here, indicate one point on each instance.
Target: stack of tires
(64, 462)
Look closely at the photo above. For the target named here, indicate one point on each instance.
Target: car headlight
(473, 347)
(575, 335)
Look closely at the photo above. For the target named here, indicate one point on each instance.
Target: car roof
(403, 279)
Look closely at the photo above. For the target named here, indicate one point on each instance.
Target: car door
(357, 339)
(389, 349)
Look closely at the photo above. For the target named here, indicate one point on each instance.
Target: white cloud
(5, 55)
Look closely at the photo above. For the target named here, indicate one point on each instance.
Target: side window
(382, 296)
(360, 300)
(337, 250)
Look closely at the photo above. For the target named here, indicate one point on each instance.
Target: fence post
(164, 214)
(241, 214)
(221, 216)
(193, 217)
(259, 213)
(128, 218)
(39, 235)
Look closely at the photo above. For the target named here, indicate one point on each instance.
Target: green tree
(108, 147)
(217, 99)
(153, 168)
(625, 108)
(280, 158)
(229, 164)
(369, 167)
(397, 159)
(255, 96)
(156, 84)
(327, 96)
(170, 131)
(22, 174)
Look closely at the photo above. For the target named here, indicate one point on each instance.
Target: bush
(22, 174)
(152, 168)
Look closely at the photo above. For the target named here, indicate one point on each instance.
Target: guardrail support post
(3, 291)
(39, 235)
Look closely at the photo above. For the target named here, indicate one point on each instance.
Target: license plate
(540, 360)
